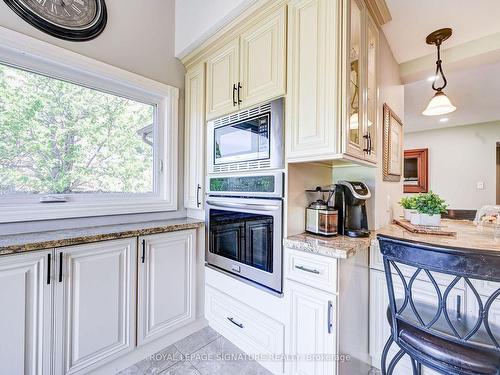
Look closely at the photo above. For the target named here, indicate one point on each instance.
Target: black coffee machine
(350, 198)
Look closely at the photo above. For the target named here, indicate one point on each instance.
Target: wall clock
(75, 20)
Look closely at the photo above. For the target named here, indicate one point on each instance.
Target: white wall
(391, 92)
(196, 20)
(139, 37)
(459, 158)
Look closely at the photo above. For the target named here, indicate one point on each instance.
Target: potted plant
(429, 207)
(409, 206)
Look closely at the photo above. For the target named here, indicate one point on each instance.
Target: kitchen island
(469, 238)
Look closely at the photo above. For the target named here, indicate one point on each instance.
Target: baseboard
(139, 353)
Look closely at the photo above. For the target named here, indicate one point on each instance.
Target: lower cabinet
(94, 304)
(165, 283)
(25, 313)
(72, 309)
(312, 330)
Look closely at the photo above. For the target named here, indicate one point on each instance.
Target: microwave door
(243, 141)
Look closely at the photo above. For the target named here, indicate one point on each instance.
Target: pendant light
(440, 104)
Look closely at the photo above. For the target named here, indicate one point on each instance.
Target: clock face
(71, 14)
(75, 20)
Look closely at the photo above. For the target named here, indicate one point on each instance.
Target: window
(83, 142)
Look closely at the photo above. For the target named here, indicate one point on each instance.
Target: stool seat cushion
(449, 353)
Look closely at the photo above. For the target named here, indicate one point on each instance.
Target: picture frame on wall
(392, 146)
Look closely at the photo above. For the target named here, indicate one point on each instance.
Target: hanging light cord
(439, 69)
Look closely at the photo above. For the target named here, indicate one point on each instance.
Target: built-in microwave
(251, 139)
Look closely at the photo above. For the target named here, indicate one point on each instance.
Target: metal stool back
(438, 335)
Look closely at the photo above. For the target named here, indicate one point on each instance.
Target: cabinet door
(311, 313)
(312, 124)
(194, 144)
(263, 55)
(166, 283)
(95, 304)
(222, 79)
(371, 96)
(355, 59)
(25, 314)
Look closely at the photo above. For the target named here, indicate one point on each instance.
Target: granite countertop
(18, 243)
(469, 236)
(336, 247)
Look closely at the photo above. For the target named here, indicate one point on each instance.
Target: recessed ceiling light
(444, 119)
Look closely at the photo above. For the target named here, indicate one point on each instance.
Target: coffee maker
(350, 199)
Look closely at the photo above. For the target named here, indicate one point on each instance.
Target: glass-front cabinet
(361, 89)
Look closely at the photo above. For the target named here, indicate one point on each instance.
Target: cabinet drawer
(310, 269)
(252, 331)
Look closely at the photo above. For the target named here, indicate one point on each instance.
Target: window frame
(24, 52)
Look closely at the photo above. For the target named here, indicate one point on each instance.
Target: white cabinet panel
(222, 80)
(166, 283)
(263, 55)
(95, 299)
(194, 144)
(25, 314)
(312, 122)
(311, 311)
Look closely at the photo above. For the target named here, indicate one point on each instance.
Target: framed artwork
(392, 146)
(416, 171)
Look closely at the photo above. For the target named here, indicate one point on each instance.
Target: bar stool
(436, 336)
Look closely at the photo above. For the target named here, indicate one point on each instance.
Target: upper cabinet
(194, 136)
(249, 69)
(332, 82)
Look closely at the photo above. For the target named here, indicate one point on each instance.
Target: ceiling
(474, 91)
(413, 20)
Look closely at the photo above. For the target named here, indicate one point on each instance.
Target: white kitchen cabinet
(249, 69)
(332, 81)
(25, 313)
(94, 304)
(222, 80)
(312, 131)
(166, 281)
(312, 330)
(263, 60)
(194, 144)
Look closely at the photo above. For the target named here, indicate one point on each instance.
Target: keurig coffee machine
(350, 199)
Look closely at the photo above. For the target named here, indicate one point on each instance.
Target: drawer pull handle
(302, 268)
(235, 322)
(330, 318)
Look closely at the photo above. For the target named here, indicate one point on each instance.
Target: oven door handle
(249, 206)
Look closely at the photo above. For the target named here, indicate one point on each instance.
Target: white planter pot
(415, 218)
(430, 220)
(408, 212)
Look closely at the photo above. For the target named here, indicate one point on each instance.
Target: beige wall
(459, 158)
(138, 38)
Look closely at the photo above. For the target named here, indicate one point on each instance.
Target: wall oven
(251, 139)
(244, 216)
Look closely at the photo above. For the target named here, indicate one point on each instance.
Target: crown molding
(379, 11)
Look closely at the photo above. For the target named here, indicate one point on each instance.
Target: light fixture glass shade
(439, 105)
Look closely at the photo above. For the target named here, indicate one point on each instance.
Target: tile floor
(204, 352)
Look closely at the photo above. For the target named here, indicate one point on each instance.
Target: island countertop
(469, 236)
(18, 243)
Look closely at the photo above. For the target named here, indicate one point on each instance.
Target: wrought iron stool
(435, 335)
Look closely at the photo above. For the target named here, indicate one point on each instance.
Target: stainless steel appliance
(244, 219)
(350, 199)
(251, 139)
(321, 219)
